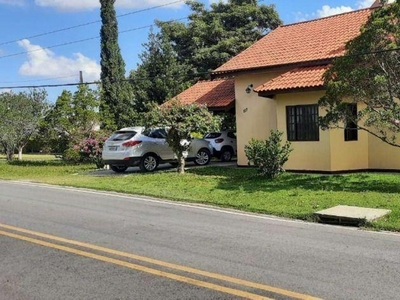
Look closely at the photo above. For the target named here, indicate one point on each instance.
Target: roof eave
(273, 93)
(224, 108)
(219, 74)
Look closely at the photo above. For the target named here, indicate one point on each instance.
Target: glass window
(122, 135)
(212, 135)
(302, 123)
(351, 131)
(232, 135)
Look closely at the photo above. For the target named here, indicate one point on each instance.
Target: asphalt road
(61, 243)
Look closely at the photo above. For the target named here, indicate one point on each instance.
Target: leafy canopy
(181, 120)
(20, 117)
(73, 118)
(368, 75)
(213, 36)
(160, 76)
(180, 53)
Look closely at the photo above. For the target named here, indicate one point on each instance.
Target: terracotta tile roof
(218, 93)
(307, 77)
(318, 39)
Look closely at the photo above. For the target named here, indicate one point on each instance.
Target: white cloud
(44, 63)
(330, 11)
(77, 5)
(365, 3)
(13, 2)
(216, 1)
(327, 11)
(368, 3)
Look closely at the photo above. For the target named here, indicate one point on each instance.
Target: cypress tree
(116, 109)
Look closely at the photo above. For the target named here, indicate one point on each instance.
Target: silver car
(147, 148)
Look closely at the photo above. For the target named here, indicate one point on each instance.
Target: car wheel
(226, 154)
(119, 169)
(203, 157)
(148, 163)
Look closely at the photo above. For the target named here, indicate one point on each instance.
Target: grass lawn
(291, 195)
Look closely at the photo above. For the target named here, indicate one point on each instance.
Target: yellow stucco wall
(383, 156)
(348, 155)
(255, 116)
(313, 155)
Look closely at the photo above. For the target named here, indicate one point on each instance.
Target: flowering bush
(88, 150)
(91, 150)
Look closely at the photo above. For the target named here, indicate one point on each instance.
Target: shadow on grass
(247, 179)
(40, 163)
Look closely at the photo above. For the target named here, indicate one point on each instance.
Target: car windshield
(212, 135)
(122, 135)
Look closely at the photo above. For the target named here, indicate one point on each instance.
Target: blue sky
(31, 55)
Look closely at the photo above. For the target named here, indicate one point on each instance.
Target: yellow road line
(168, 265)
(156, 272)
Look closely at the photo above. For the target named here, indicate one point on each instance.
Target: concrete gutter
(350, 215)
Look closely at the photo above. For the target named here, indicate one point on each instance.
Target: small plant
(268, 156)
(72, 156)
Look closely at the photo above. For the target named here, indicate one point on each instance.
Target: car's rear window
(232, 135)
(212, 135)
(122, 135)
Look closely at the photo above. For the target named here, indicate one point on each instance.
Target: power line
(82, 40)
(47, 85)
(89, 23)
(201, 73)
(372, 52)
(81, 83)
(44, 79)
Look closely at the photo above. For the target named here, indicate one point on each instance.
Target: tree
(72, 119)
(181, 120)
(20, 117)
(116, 106)
(212, 37)
(368, 77)
(160, 76)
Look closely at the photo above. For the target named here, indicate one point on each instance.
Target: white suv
(147, 148)
(223, 143)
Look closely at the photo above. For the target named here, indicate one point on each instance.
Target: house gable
(299, 79)
(307, 43)
(216, 95)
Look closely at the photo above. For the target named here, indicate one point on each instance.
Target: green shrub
(72, 155)
(268, 156)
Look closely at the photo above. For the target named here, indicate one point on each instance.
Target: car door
(232, 140)
(161, 147)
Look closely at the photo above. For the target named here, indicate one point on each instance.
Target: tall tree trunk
(20, 153)
(181, 164)
(10, 154)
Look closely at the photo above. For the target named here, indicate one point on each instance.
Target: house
(218, 95)
(278, 82)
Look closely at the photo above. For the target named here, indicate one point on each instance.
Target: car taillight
(219, 141)
(131, 143)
